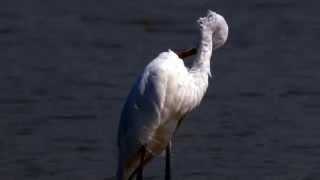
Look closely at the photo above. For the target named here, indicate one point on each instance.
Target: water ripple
(17, 100)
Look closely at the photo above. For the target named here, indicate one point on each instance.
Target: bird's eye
(211, 17)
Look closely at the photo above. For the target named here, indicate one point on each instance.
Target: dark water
(67, 66)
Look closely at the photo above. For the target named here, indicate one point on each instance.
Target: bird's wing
(141, 114)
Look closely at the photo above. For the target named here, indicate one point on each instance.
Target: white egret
(161, 97)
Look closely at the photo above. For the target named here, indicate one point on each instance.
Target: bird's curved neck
(202, 61)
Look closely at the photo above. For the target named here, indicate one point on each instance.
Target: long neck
(202, 61)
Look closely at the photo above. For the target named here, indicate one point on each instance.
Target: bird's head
(217, 25)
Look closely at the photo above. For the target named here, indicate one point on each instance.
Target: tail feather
(127, 169)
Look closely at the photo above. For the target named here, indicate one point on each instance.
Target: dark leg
(140, 170)
(168, 164)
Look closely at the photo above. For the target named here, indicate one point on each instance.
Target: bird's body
(164, 93)
(161, 97)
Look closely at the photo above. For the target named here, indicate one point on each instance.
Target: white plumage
(163, 94)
